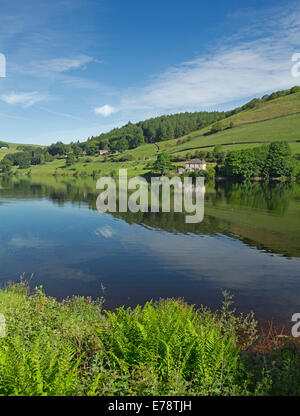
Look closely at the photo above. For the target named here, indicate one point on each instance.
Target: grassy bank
(75, 347)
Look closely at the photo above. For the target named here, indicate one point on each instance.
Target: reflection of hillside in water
(262, 215)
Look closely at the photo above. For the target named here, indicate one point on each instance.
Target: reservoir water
(248, 244)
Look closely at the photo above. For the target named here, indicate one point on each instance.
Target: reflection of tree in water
(60, 191)
(224, 196)
(273, 197)
(258, 195)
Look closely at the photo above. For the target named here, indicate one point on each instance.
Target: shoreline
(216, 178)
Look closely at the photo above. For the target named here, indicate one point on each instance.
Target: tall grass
(168, 347)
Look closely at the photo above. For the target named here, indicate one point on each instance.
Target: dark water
(248, 243)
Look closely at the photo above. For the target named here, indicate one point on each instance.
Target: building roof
(195, 162)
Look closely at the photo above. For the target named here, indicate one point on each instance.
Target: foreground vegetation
(75, 347)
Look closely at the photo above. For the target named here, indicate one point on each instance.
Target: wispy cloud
(61, 114)
(105, 111)
(26, 99)
(63, 64)
(238, 68)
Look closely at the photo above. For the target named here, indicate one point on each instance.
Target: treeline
(24, 159)
(267, 161)
(133, 135)
(154, 130)
(26, 148)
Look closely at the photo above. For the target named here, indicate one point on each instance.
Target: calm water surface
(248, 243)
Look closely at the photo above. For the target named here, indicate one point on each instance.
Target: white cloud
(64, 64)
(27, 99)
(105, 111)
(241, 67)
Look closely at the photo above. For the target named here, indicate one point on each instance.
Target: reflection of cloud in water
(66, 273)
(106, 231)
(29, 242)
(223, 261)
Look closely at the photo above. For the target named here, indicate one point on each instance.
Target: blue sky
(76, 68)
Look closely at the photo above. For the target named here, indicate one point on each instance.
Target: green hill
(275, 120)
(13, 148)
(268, 121)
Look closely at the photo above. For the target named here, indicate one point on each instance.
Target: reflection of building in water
(192, 165)
(189, 188)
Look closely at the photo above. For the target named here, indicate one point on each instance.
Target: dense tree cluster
(268, 161)
(153, 130)
(24, 159)
(5, 166)
(163, 163)
(26, 148)
(58, 149)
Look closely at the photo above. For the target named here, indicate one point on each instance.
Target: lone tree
(279, 161)
(71, 158)
(163, 163)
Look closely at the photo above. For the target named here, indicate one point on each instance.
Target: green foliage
(163, 163)
(5, 166)
(279, 162)
(270, 161)
(257, 101)
(58, 149)
(77, 150)
(26, 148)
(173, 340)
(209, 173)
(91, 148)
(24, 159)
(119, 145)
(71, 159)
(215, 128)
(295, 89)
(218, 149)
(168, 347)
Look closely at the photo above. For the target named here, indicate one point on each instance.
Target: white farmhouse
(192, 165)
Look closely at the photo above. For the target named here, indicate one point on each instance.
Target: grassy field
(75, 347)
(285, 129)
(96, 166)
(279, 107)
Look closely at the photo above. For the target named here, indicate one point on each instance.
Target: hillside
(274, 120)
(278, 119)
(283, 129)
(13, 148)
